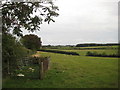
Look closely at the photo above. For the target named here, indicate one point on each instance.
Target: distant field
(83, 52)
(109, 51)
(107, 47)
(74, 48)
(67, 71)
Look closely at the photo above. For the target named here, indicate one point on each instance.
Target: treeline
(95, 54)
(61, 52)
(57, 46)
(95, 44)
(82, 45)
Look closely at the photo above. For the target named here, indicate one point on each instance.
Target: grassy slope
(73, 72)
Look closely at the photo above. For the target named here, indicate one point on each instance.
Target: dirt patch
(36, 55)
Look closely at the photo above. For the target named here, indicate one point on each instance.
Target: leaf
(17, 31)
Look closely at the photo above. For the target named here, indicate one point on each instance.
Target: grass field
(107, 47)
(67, 71)
(77, 48)
(83, 52)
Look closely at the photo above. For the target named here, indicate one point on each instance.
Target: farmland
(83, 50)
(68, 71)
(59, 44)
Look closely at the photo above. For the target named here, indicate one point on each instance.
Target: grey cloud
(95, 24)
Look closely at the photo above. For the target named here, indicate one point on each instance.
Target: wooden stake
(41, 69)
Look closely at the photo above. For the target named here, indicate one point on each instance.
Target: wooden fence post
(48, 62)
(41, 69)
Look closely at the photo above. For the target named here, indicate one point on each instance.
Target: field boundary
(60, 52)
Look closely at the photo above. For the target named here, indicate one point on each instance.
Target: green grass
(67, 71)
(83, 52)
(77, 48)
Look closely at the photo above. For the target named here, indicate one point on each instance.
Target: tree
(8, 52)
(31, 41)
(12, 52)
(17, 16)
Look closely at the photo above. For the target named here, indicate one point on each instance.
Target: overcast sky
(82, 21)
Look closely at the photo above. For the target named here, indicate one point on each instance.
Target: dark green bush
(12, 52)
(101, 54)
(31, 41)
(61, 52)
(89, 53)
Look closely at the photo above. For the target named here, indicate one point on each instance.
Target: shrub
(89, 53)
(31, 41)
(101, 54)
(61, 52)
(12, 52)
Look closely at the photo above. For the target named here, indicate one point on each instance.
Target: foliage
(58, 51)
(7, 52)
(12, 51)
(80, 48)
(95, 44)
(101, 54)
(17, 16)
(31, 41)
